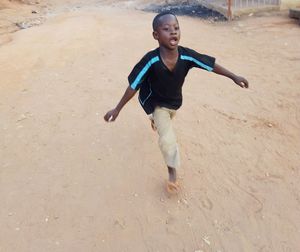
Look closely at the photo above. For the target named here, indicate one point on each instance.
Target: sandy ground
(71, 182)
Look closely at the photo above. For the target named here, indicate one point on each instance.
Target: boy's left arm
(239, 80)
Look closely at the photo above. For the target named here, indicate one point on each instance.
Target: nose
(173, 31)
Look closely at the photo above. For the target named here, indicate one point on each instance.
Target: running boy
(159, 77)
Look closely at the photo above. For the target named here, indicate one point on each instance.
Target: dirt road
(71, 182)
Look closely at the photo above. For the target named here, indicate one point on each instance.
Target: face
(168, 32)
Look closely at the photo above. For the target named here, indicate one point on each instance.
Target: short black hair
(156, 20)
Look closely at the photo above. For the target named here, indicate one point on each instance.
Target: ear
(155, 35)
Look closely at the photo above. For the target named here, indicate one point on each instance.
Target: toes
(173, 187)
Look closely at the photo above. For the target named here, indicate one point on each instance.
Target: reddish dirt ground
(71, 182)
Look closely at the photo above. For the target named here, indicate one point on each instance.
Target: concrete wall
(285, 4)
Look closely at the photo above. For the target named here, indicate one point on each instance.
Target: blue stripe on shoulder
(199, 63)
(143, 71)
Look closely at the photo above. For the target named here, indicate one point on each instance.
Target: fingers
(246, 84)
(243, 83)
(110, 116)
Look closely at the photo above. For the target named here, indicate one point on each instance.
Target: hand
(241, 81)
(111, 115)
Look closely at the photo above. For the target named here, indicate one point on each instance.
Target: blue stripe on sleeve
(143, 71)
(206, 67)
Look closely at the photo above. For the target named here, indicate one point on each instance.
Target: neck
(168, 52)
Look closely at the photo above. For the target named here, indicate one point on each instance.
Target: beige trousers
(167, 139)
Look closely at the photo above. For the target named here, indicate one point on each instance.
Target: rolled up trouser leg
(167, 138)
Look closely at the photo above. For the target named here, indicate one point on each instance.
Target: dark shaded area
(295, 13)
(185, 9)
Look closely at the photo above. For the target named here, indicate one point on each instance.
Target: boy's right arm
(113, 114)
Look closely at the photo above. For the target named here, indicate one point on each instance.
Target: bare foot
(173, 187)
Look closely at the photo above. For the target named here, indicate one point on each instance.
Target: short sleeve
(198, 60)
(141, 70)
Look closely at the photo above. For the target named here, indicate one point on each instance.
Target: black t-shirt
(157, 85)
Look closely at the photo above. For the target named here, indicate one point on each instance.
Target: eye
(176, 28)
(165, 28)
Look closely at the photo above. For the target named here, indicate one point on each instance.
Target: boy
(159, 77)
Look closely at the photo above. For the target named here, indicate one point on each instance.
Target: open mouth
(174, 41)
